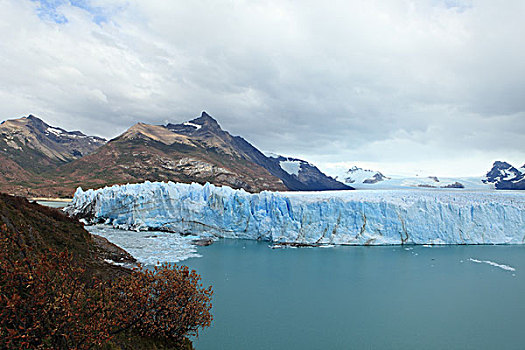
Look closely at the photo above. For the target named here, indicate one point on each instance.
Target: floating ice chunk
(492, 263)
(149, 248)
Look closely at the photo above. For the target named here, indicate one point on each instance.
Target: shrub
(48, 301)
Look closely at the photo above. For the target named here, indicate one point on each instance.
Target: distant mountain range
(41, 160)
(502, 176)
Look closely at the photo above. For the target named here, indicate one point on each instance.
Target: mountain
(505, 177)
(301, 175)
(197, 151)
(206, 131)
(31, 151)
(361, 176)
(38, 147)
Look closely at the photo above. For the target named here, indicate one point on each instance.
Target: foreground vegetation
(56, 292)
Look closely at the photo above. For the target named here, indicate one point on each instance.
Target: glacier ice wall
(339, 217)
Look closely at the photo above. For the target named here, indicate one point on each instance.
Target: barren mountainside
(37, 146)
(151, 152)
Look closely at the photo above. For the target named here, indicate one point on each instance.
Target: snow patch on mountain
(292, 167)
(196, 126)
(271, 155)
(55, 131)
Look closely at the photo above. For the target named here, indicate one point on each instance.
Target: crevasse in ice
(339, 217)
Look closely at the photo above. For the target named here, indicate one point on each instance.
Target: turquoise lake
(389, 297)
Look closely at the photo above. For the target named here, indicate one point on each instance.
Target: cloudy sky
(434, 87)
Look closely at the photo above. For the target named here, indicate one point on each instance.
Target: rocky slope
(31, 236)
(505, 177)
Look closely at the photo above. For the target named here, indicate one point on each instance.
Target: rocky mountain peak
(206, 120)
(204, 124)
(34, 119)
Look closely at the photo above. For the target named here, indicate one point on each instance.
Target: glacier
(374, 217)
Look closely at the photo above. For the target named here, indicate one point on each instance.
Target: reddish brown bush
(166, 302)
(46, 301)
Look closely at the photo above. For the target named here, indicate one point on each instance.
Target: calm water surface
(363, 297)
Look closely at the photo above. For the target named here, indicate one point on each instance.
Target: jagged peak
(206, 120)
(30, 120)
(23, 123)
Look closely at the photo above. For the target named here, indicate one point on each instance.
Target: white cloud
(402, 84)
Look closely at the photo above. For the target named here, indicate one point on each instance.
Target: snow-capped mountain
(371, 179)
(356, 175)
(505, 177)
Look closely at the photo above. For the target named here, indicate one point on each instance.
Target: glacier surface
(339, 217)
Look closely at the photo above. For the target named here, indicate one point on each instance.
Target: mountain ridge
(36, 145)
(195, 151)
